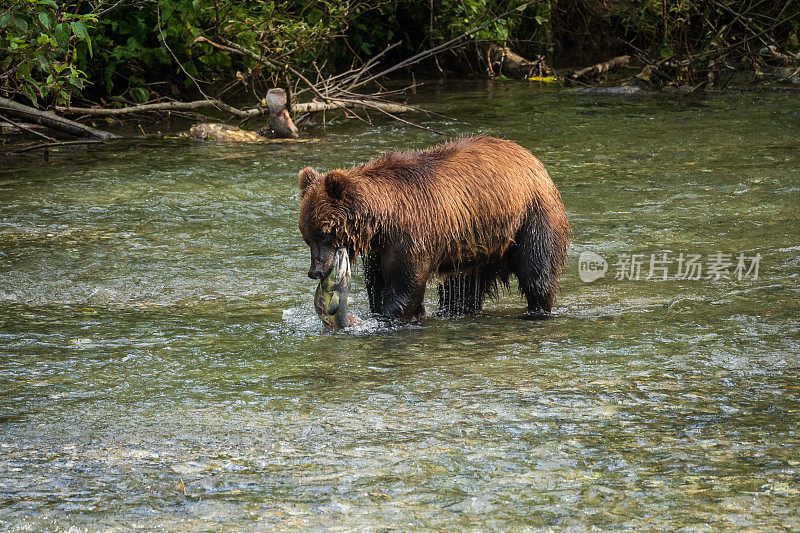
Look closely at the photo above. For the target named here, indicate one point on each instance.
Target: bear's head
(328, 216)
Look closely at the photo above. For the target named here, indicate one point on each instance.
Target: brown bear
(470, 212)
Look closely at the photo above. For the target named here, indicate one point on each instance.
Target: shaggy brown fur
(478, 207)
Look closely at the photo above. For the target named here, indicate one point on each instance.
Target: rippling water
(161, 363)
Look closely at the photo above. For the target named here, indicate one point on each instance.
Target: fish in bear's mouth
(330, 298)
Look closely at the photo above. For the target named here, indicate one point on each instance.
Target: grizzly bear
(470, 212)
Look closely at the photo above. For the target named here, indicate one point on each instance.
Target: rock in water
(330, 299)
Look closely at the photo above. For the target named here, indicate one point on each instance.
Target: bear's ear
(307, 176)
(336, 183)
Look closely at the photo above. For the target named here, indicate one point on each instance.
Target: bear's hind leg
(373, 280)
(461, 294)
(538, 258)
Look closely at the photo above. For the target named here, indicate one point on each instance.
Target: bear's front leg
(404, 291)
(403, 304)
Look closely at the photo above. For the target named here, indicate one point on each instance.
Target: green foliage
(41, 43)
(133, 50)
(420, 22)
(689, 27)
(55, 49)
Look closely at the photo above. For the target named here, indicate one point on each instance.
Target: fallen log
(504, 61)
(600, 68)
(51, 120)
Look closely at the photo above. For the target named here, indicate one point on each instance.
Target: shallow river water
(161, 364)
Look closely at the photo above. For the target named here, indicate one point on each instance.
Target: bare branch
(24, 128)
(164, 106)
(57, 144)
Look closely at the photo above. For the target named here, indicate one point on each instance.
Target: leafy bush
(127, 48)
(135, 50)
(41, 44)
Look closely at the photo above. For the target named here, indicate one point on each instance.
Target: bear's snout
(320, 268)
(322, 255)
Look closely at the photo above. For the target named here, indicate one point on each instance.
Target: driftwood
(502, 60)
(51, 120)
(599, 69)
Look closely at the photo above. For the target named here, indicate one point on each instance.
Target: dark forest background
(135, 51)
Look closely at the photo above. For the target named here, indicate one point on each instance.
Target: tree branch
(164, 106)
(51, 120)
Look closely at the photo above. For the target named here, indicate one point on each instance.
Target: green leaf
(50, 3)
(44, 18)
(5, 20)
(44, 64)
(21, 24)
(75, 82)
(79, 29)
(140, 94)
(61, 32)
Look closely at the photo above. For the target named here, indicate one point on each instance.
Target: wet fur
(471, 212)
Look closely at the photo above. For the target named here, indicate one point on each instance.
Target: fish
(330, 298)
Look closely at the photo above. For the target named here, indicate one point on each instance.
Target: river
(162, 366)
